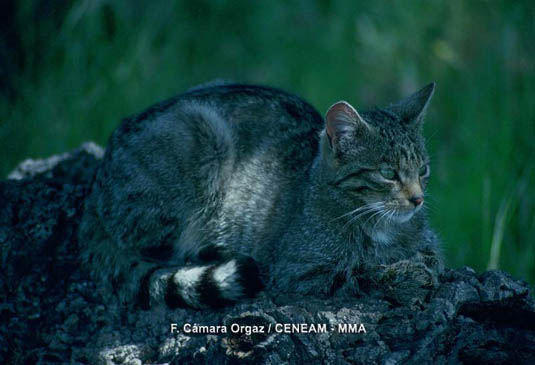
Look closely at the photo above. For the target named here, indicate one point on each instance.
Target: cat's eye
(424, 171)
(388, 174)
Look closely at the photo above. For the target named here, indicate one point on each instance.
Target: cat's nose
(417, 200)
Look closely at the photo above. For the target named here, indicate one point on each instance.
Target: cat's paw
(407, 272)
(407, 282)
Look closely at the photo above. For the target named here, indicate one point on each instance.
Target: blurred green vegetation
(74, 69)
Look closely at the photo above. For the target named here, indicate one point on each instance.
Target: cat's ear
(412, 109)
(342, 119)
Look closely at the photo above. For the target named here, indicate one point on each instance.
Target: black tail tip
(249, 274)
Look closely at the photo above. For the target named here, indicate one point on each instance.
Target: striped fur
(201, 286)
(203, 199)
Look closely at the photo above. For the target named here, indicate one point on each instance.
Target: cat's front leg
(201, 286)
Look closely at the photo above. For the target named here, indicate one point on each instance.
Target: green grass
(90, 65)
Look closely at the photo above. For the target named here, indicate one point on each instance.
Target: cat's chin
(402, 217)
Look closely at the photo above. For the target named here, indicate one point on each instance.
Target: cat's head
(376, 161)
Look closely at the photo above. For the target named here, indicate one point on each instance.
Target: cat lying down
(227, 189)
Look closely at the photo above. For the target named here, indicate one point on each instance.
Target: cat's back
(261, 118)
(236, 150)
(254, 119)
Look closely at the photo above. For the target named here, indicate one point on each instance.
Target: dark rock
(50, 310)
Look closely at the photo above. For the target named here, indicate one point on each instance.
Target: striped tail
(203, 286)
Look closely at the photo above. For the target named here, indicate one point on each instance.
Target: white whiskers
(376, 213)
(362, 210)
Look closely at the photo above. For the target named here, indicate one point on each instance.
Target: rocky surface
(50, 311)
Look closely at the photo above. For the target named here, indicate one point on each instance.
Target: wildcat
(215, 194)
